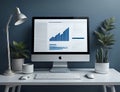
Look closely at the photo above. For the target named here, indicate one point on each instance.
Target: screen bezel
(33, 23)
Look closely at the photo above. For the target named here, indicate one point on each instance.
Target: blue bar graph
(55, 47)
(61, 37)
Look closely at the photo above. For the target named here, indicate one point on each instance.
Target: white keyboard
(61, 76)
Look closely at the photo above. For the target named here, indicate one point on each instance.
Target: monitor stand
(59, 67)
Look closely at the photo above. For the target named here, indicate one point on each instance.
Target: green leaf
(103, 29)
(102, 42)
(18, 50)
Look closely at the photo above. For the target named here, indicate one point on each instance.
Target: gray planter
(17, 64)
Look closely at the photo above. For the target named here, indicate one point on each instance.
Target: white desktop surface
(112, 78)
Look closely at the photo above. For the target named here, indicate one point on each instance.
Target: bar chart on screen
(61, 37)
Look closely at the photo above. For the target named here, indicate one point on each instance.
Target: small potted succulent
(105, 39)
(19, 52)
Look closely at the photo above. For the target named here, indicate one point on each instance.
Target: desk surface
(112, 78)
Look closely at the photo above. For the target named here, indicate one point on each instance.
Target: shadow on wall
(3, 50)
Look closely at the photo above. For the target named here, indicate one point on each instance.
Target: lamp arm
(8, 45)
(9, 20)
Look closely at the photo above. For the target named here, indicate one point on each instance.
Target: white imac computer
(60, 40)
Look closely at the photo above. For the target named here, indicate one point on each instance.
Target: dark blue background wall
(96, 10)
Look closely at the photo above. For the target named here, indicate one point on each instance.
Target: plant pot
(17, 64)
(27, 68)
(102, 68)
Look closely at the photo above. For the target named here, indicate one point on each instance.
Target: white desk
(106, 80)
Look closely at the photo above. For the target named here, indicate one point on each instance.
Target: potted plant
(105, 39)
(19, 52)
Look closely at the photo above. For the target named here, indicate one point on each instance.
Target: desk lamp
(19, 19)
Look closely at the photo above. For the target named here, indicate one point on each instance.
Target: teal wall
(96, 10)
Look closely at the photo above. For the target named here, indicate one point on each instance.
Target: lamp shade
(20, 18)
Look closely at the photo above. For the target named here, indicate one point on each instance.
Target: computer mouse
(24, 77)
(90, 76)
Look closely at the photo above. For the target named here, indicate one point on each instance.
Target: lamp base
(9, 73)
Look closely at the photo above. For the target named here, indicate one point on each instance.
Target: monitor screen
(64, 39)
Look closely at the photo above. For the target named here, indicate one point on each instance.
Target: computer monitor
(60, 40)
